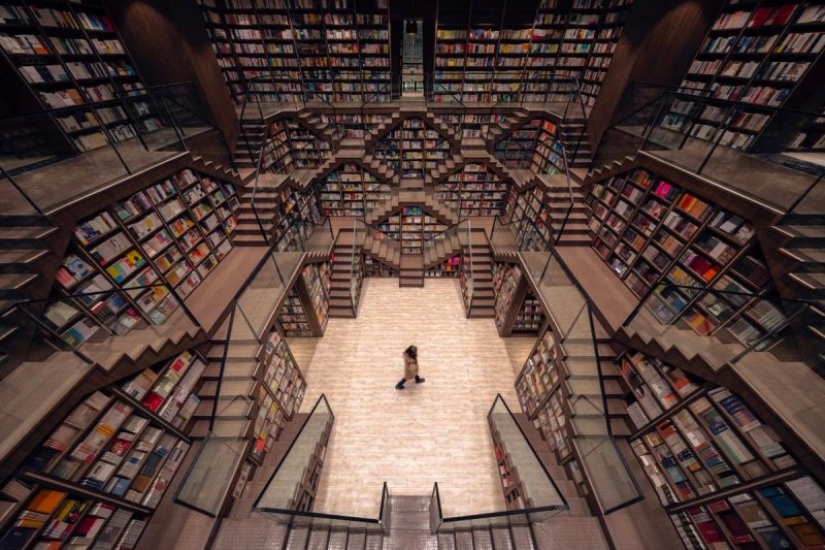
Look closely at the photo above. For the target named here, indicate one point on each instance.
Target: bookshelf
(72, 59)
(648, 230)
(475, 191)
(536, 146)
(277, 157)
(97, 478)
(376, 268)
(694, 440)
(173, 233)
(278, 393)
(351, 190)
(514, 489)
(812, 135)
(284, 50)
(305, 311)
(411, 226)
(756, 53)
(530, 212)
(308, 150)
(413, 148)
(516, 307)
(451, 267)
(296, 212)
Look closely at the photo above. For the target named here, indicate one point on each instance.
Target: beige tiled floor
(436, 431)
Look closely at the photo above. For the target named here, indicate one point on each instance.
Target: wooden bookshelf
(284, 50)
(516, 307)
(376, 268)
(757, 53)
(512, 486)
(695, 440)
(351, 190)
(172, 233)
(412, 149)
(475, 191)
(305, 311)
(649, 231)
(96, 479)
(72, 58)
(530, 212)
(451, 267)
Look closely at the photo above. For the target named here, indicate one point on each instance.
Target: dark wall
(168, 41)
(658, 45)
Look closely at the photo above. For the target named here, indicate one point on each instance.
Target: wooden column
(169, 44)
(658, 45)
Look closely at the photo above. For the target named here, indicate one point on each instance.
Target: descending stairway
(506, 124)
(346, 262)
(576, 144)
(439, 250)
(571, 229)
(798, 267)
(28, 248)
(315, 123)
(383, 249)
(483, 299)
(250, 141)
(236, 406)
(380, 131)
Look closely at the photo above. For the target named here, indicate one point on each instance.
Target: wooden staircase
(346, 261)
(571, 229)
(380, 131)
(483, 299)
(237, 407)
(383, 249)
(30, 249)
(502, 128)
(574, 138)
(251, 139)
(797, 262)
(438, 250)
(315, 124)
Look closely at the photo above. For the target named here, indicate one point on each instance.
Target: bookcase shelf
(505, 64)
(97, 478)
(451, 267)
(284, 50)
(514, 489)
(305, 311)
(71, 58)
(756, 53)
(529, 212)
(695, 440)
(351, 191)
(172, 233)
(412, 149)
(516, 307)
(475, 191)
(650, 231)
(411, 227)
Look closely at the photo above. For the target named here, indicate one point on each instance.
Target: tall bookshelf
(305, 311)
(172, 233)
(285, 50)
(350, 190)
(297, 215)
(72, 59)
(695, 440)
(96, 480)
(475, 191)
(516, 307)
(411, 226)
(756, 53)
(535, 146)
(648, 230)
(413, 148)
(529, 211)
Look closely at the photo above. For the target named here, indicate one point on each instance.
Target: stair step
(10, 282)
(18, 256)
(802, 231)
(812, 255)
(814, 281)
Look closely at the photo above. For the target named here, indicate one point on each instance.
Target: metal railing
(546, 502)
(737, 322)
(126, 134)
(708, 135)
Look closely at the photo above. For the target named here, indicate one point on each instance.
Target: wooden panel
(658, 45)
(169, 44)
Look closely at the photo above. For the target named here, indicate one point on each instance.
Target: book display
(351, 190)
(514, 489)
(530, 212)
(72, 58)
(694, 440)
(649, 231)
(278, 393)
(450, 267)
(377, 268)
(475, 191)
(412, 149)
(756, 53)
(308, 150)
(96, 479)
(297, 212)
(305, 311)
(535, 146)
(172, 233)
(287, 50)
(277, 156)
(412, 228)
(516, 307)
(812, 135)
(544, 391)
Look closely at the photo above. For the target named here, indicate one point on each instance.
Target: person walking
(410, 367)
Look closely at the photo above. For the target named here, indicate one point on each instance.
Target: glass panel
(210, 476)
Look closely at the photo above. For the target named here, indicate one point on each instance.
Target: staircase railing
(707, 135)
(546, 502)
(355, 275)
(210, 478)
(736, 322)
(571, 312)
